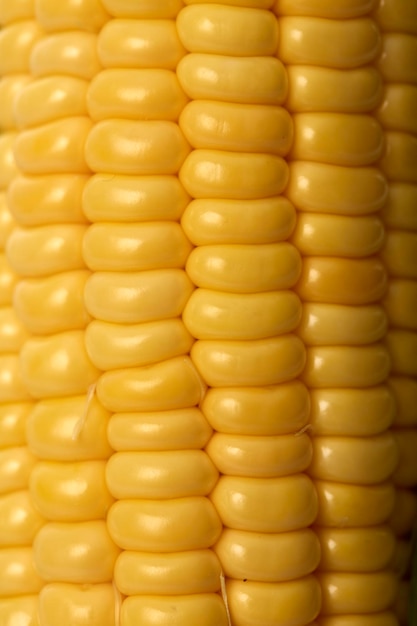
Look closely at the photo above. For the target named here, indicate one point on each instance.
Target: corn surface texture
(208, 312)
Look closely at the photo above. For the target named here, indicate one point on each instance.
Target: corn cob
(187, 152)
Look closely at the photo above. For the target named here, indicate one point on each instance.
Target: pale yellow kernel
(136, 147)
(141, 246)
(220, 315)
(172, 574)
(172, 525)
(70, 492)
(45, 250)
(217, 221)
(16, 44)
(133, 297)
(12, 333)
(10, 86)
(337, 138)
(352, 412)
(346, 366)
(217, 29)
(344, 592)
(143, 9)
(313, 88)
(20, 607)
(7, 222)
(225, 78)
(233, 175)
(13, 418)
(8, 281)
(161, 474)
(47, 199)
(336, 280)
(14, 11)
(376, 458)
(242, 363)
(171, 384)
(321, 8)
(54, 147)
(19, 575)
(8, 168)
(268, 557)
(338, 235)
(238, 455)
(146, 93)
(133, 198)
(81, 15)
(57, 365)
(75, 552)
(72, 53)
(340, 44)
(45, 100)
(265, 505)
(237, 127)
(115, 346)
(53, 429)
(325, 188)
(280, 409)
(140, 43)
(19, 520)
(336, 324)
(70, 604)
(356, 549)
(12, 384)
(386, 618)
(286, 603)
(52, 304)
(348, 506)
(149, 610)
(245, 268)
(179, 429)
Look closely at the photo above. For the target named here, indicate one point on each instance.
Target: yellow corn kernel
(161, 525)
(173, 573)
(268, 557)
(143, 94)
(66, 602)
(39, 102)
(217, 29)
(140, 43)
(217, 221)
(132, 199)
(72, 53)
(47, 199)
(53, 426)
(179, 429)
(79, 552)
(211, 314)
(161, 474)
(52, 304)
(70, 492)
(135, 247)
(50, 249)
